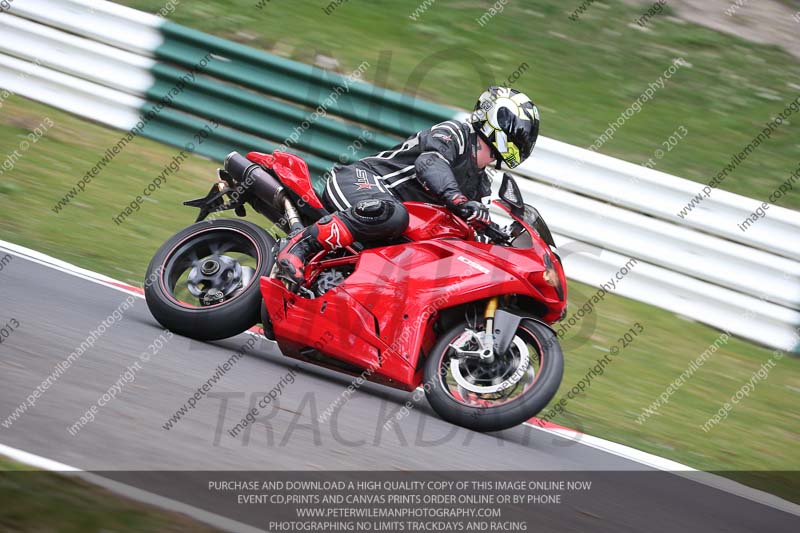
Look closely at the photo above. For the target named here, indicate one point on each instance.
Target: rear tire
(514, 412)
(234, 315)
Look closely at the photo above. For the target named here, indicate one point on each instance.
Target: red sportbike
(463, 314)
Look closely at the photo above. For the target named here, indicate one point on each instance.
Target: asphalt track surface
(56, 311)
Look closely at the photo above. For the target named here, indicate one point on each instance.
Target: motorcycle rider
(443, 165)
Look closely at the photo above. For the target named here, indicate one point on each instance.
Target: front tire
(470, 399)
(203, 282)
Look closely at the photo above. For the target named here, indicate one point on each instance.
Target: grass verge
(760, 434)
(583, 74)
(47, 501)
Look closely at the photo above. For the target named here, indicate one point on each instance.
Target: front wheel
(490, 393)
(203, 282)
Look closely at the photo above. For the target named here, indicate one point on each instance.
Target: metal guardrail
(108, 63)
(243, 89)
(662, 195)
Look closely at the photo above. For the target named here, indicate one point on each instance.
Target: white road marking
(128, 491)
(620, 450)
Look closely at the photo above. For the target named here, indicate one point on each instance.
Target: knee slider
(399, 220)
(373, 211)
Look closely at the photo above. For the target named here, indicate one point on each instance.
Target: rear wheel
(466, 386)
(203, 282)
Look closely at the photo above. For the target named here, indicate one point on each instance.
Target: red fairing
(292, 171)
(262, 159)
(380, 318)
(428, 221)
(542, 249)
(304, 323)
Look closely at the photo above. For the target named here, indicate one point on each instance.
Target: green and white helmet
(509, 123)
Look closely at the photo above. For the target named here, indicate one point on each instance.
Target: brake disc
(520, 370)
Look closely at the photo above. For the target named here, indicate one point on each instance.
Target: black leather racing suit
(432, 166)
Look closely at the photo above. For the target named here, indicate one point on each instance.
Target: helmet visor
(518, 137)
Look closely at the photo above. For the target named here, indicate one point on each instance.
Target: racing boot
(329, 233)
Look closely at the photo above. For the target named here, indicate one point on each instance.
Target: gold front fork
(491, 307)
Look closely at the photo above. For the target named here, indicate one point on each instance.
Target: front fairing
(528, 231)
(429, 221)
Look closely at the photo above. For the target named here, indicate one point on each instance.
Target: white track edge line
(63, 266)
(129, 491)
(614, 448)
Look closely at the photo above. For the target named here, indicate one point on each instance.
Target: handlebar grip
(494, 232)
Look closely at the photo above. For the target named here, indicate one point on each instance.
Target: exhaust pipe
(251, 177)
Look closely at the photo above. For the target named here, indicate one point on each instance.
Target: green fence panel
(277, 121)
(297, 82)
(179, 130)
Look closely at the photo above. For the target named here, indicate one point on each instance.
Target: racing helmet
(509, 123)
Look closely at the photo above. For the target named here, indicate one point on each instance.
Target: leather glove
(475, 213)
